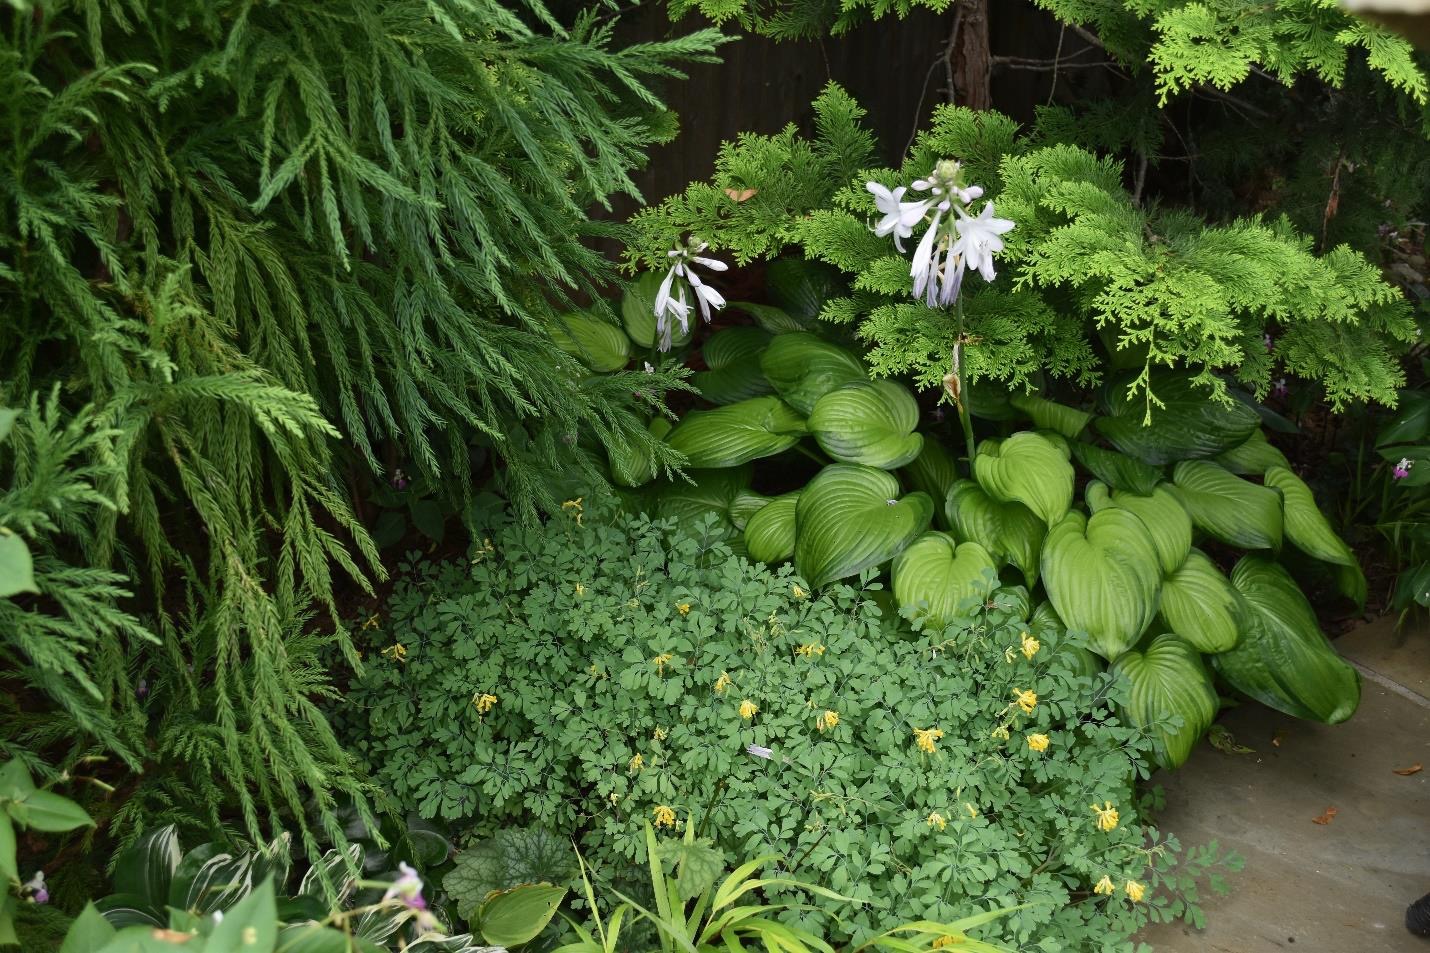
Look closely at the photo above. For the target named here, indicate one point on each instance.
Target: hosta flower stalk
(682, 282)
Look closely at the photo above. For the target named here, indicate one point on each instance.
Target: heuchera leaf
(868, 422)
(850, 518)
(1171, 696)
(1102, 577)
(1030, 469)
(943, 576)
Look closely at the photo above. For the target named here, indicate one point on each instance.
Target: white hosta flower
(900, 217)
(978, 239)
(671, 303)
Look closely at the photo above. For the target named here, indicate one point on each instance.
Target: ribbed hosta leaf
(770, 318)
(713, 491)
(1050, 415)
(1227, 507)
(739, 433)
(943, 575)
(599, 345)
(1188, 425)
(1168, 683)
(803, 368)
(1254, 457)
(1044, 618)
(851, 518)
(1161, 512)
(745, 505)
(933, 471)
(1200, 605)
(1117, 470)
(769, 535)
(801, 287)
(868, 422)
(1030, 469)
(638, 312)
(630, 468)
(1010, 532)
(733, 356)
(1283, 659)
(1102, 577)
(1306, 526)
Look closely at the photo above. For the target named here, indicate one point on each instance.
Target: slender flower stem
(959, 387)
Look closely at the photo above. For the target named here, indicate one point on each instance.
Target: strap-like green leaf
(1306, 526)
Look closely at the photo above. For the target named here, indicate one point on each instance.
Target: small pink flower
(1402, 469)
(1268, 342)
(1279, 388)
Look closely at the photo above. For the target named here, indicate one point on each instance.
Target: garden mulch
(1334, 822)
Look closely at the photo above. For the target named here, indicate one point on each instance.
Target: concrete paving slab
(1340, 887)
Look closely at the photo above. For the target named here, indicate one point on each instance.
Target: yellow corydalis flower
(1104, 886)
(396, 651)
(683, 608)
(748, 709)
(659, 734)
(926, 739)
(580, 589)
(809, 649)
(827, 720)
(999, 734)
(1026, 700)
(1038, 742)
(937, 820)
(972, 811)
(484, 702)
(664, 816)
(1134, 890)
(945, 940)
(373, 621)
(798, 592)
(1107, 816)
(575, 507)
(661, 661)
(722, 683)
(636, 764)
(1030, 646)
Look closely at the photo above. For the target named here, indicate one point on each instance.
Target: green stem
(964, 418)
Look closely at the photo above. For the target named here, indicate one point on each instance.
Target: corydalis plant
(670, 301)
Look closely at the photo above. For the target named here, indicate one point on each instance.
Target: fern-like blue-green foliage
(280, 246)
(1091, 280)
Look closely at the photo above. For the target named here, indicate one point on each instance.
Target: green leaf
(1411, 423)
(630, 467)
(1117, 470)
(943, 576)
(729, 436)
(599, 345)
(1283, 659)
(745, 505)
(17, 569)
(638, 312)
(1101, 575)
(8, 416)
(770, 533)
(146, 869)
(850, 518)
(1419, 459)
(1161, 512)
(1010, 532)
(934, 471)
(1200, 605)
(733, 356)
(9, 866)
(800, 287)
(1030, 469)
(1227, 507)
(1050, 415)
(89, 932)
(1306, 527)
(8, 906)
(312, 938)
(1171, 697)
(711, 491)
(49, 812)
(208, 878)
(771, 319)
(429, 519)
(251, 926)
(518, 915)
(1254, 457)
(1189, 425)
(15, 781)
(697, 862)
(510, 858)
(803, 368)
(868, 422)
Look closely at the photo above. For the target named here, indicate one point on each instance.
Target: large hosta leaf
(769, 535)
(1188, 425)
(733, 356)
(801, 286)
(1306, 526)
(943, 575)
(629, 467)
(1030, 469)
(933, 471)
(1168, 683)
(803, 368)
(1050, 415)
(713, 491)
(1161, 512)
(638, 312)
(868, 422)
(1283, 659)
(1117, 470)
(739, 433)
(1200, 605)
(1254, 457)
(1010, 532)
(1227, 507)
(1102, 577)
(599, 345)
(745, 505)
(851, 518)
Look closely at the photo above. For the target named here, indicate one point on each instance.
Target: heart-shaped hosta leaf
(630, 467)
(1030, 469)
(1200, 605)
(772, 319)
(868, 422)
(801, 287)
(739, 433)
(944, 576)
(934, 472)
(1161, 512)
(1169, 684)
(1188, 425)
(733, 356)
(1102, 577)
(1050, 415)
(638, 312)
(850, 518)
(769, 535)
(1117, 470)
(601, 346)
(803, 368)
(1010, 532)
(713, 491)
(1283, 659)
(1306, 526)
(1227, 507)
(1254, 457)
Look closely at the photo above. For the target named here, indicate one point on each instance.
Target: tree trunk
(973, 63)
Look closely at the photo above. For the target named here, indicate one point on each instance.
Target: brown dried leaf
(1415, 768)
(1325, 817)
(741, 195)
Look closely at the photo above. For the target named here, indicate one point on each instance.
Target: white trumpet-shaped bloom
(671, 302)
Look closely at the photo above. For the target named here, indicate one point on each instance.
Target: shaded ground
(1338, 887)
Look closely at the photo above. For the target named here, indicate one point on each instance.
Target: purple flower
(407, 888)
(1268, 342)
(34, 889)
(1279, 388)
(1402, 469)
(141, 688)
(399, 480)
